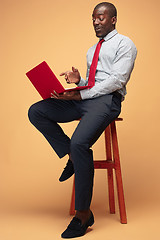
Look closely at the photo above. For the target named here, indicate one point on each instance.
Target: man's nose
(96, 21)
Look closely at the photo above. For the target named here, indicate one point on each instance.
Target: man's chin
(98, 35)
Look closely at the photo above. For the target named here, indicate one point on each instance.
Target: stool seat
(111, 162)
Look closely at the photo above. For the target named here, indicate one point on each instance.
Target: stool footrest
(101, 164)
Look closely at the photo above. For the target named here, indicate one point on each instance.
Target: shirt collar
(110, 35)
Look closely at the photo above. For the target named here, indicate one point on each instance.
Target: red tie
(93, 67)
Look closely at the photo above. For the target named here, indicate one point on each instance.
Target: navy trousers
(96, 114)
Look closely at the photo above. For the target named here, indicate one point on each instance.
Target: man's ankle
(83, 215)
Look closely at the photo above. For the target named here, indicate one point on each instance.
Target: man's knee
(81, 155)
(33, 113)
(77, 144)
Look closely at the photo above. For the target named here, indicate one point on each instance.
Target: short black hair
(111, 8)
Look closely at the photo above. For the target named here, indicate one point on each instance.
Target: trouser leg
(98, 114)
(45, 114)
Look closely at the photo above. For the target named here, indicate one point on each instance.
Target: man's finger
(53, 96)
(63, 73)
(66, 75)
(55, 93)
(67, 80)
(74, 69)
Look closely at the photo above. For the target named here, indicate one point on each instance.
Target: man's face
(102, 22)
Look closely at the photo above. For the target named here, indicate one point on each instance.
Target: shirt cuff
(85, 94)
(82, 82)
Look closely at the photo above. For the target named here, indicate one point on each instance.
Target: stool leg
(110, 170)
(121, 200)
(111, 191)
(118, 173)
(72, 206)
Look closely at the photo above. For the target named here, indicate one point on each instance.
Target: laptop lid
(44, 80)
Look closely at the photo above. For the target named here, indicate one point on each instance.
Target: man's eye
(100, 19)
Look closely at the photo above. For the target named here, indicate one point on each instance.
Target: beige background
(33, 204)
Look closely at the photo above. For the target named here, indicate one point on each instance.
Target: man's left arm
(72, 95)
(121, 69)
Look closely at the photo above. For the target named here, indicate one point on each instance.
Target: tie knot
(101, 41)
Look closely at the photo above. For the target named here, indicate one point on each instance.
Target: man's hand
(71, 95)
(72, 76)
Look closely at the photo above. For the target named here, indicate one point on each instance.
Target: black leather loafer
(67, 172)
(76, 229)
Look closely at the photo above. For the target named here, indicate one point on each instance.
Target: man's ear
(114, 20)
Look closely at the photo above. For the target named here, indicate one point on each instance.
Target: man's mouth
(97, 29)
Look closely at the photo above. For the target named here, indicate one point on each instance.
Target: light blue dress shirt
(115, 64)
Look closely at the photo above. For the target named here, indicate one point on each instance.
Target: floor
(143, 223)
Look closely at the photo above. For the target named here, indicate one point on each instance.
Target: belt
(117, 94)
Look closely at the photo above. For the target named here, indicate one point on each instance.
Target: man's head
(104, 18)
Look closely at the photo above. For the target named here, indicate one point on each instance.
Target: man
(97, 107)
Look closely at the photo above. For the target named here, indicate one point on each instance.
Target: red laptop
(45, 81)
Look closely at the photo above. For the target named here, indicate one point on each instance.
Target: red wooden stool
(112, 162)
